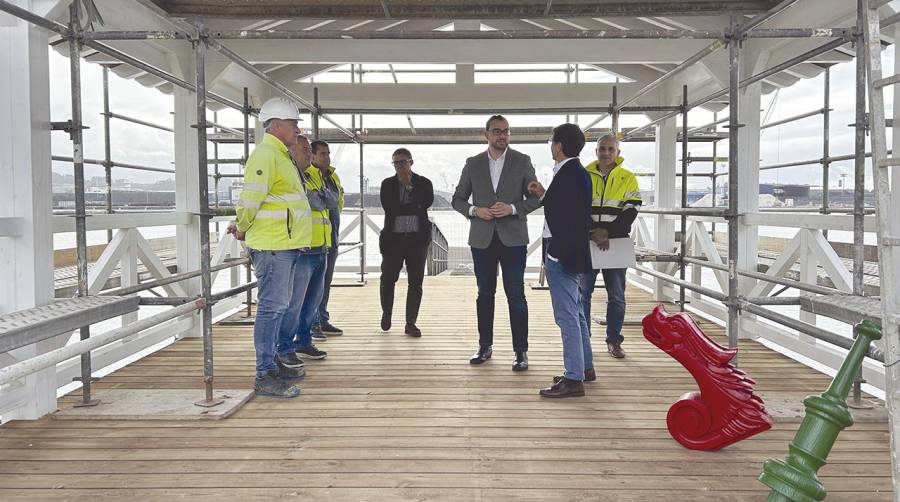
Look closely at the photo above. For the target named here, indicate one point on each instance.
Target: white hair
(609, 136)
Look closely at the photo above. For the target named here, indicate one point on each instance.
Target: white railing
(806, 258)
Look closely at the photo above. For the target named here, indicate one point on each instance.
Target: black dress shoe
(385, 321)
(413, 331)
(521, 363)
(564, 388)
(483, 354)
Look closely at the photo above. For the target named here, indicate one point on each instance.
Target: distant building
(234, 191)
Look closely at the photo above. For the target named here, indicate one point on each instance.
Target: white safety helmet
(278, 108)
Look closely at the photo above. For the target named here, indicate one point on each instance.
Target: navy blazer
(567, 210)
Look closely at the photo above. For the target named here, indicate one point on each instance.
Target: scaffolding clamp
(68, 126)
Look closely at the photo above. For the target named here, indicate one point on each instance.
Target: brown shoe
(589, 376)
(615, 350)
(564, 388)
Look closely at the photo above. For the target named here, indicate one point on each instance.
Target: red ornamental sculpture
(725, 410)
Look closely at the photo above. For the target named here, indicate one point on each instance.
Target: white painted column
(748, 196)
(26, 247)
(465, 73)
(187, 186)
(665, 195)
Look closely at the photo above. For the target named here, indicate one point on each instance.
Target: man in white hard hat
(273, 216)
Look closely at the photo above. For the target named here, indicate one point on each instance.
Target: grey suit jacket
(475, 182)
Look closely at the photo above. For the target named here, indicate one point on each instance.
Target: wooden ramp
(391, 418)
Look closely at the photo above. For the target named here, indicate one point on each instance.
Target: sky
(137, 144)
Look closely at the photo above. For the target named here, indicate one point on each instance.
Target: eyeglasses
(399, 163)
(500, 132)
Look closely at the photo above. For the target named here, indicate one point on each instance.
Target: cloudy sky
(442, 163)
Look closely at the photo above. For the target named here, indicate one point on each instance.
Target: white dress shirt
(556, 169)
(496, 166)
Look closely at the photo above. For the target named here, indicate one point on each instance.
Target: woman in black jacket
(405, 237)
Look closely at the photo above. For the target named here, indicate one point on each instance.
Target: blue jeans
(322, 312)
(511, 259)
(614, 281)
(308, 282)
(275, 280)
(566, 299)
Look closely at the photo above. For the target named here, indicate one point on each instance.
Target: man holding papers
(616, 200)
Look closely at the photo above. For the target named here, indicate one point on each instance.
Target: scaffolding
(865, 36)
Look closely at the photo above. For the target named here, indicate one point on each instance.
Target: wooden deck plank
(390, 418)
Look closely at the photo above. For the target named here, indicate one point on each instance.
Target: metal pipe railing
(688, 211)
(811, 288)
(133, 120)
(130, 290)
(96, 162)
(808, 329)
(221, 295)
(48, 359)
(685, 284)
(793, 118)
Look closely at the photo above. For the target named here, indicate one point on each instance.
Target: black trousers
(398, 249)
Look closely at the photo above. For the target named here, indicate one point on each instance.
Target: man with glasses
(497, 182)
(405, 197)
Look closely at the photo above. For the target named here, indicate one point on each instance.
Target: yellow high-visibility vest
(618, 192)
(273, 209)
(321, 223)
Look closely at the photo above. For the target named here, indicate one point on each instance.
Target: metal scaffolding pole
(859, 172)
(714, 165)
(246, 112)
(205, 278)
(802, 58)
(734, 79)
(614, 110)
(315, 114)
(826, 141)
(107, 154)
(362, 215)
(362, 197)
(603, 34)
(243, 63)
(684, 192)
(884, 168)
(77, 136)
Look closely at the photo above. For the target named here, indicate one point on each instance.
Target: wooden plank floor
(392, 418)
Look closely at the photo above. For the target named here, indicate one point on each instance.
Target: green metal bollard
(794, 479)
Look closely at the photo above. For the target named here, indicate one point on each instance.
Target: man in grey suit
(497, 182)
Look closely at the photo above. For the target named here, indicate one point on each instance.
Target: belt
(316, 250)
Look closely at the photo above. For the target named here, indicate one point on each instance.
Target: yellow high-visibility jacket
(273, 209)
(616, 199)
(321, 223)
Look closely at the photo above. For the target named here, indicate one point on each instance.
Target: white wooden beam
(465, 51)
(418, 96)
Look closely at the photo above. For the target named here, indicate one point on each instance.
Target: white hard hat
(278, 108)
